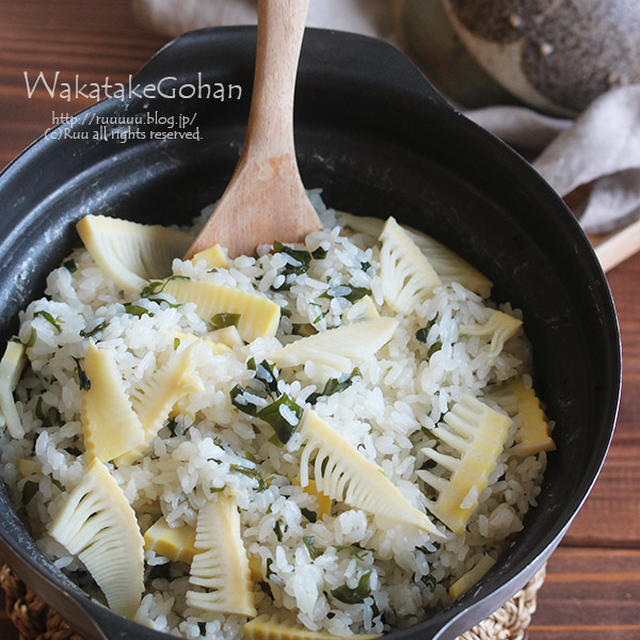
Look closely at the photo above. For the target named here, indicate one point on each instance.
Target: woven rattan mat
(36, 621)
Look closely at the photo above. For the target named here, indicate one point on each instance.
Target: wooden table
(593, 585)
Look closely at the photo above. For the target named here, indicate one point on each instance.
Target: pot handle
(370, 64)
(227, 54)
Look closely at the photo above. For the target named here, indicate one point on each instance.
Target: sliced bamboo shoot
(337, 350)
(367, 225)
(500, 326)
(11, 367)
(364, 309)
(29, 468)
(181, 339)
(217, 347)
(110, 426)
(472, 577)
(268, 627)
(259, 317)
(407, 276)
(344, 474)
(324, 501)
(255, 568)
(449, 266)
(156, 396)
(478, 433)
(228, 336)
(98, 525)
(532, 435)
(131, 253)
(220, 563)
(175, 543)
(213, 256)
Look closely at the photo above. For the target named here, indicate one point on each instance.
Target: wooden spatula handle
(280, 30)
(266, 199)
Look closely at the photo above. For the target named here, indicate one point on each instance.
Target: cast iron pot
(379, 140)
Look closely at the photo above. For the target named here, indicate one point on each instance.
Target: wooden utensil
(620, 246)
(266, 200)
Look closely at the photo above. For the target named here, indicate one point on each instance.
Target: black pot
(380, 141)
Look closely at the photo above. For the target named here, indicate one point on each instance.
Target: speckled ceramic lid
(554, 54)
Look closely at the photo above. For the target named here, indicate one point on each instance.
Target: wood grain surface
(593, 585)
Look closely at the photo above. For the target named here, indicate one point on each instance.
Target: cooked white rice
(388, 414)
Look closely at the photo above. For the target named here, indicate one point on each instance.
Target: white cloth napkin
(369, 17)
(600, 148)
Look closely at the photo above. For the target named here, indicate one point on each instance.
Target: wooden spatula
(266, 200)
(619, 246)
